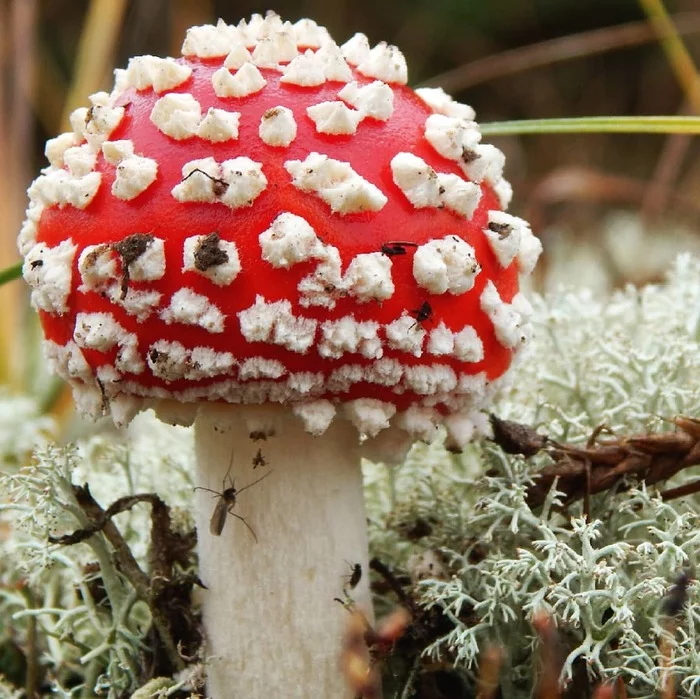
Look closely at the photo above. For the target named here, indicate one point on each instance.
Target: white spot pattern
(445, 265)
(209, 41)
(442, 103)
(61, 188)
(507, 321)
(309, 34)
(247, 81)
(161, 74)
(134, 175)
(278, 127)
(236, 183)
(190, 308)
(385, 62)
(281, 47)
(177, 115)
(222, 273)
(356, 49)
(80, 160)
(349, 335)
(316, 415)
(102, 332)
(504, 233)
(274, 322)
(48, 271)
(172, 361)
(219, 125)
(238, 56)
(530, 250)
(375, 100)
(96, 123)
(406, 335)
(305, 70)
(290, 240)
(56, 147)
(260, 368)
(369, 415)
(334, 118)
(424, 187)
(368, 277)
(336, 183)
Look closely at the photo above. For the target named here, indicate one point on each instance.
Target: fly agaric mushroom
(273, 237)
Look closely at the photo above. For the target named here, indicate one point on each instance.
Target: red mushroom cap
(272, 218)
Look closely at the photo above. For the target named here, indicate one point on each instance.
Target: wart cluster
(406, 363)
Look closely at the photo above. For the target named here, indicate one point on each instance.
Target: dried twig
(162, 587)
(672, 605)
(515, 438)
(649, 457)
(31, 682)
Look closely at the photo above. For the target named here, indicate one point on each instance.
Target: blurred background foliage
(610, 208)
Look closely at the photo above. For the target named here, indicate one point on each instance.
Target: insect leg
(243, 519)
(250, 485)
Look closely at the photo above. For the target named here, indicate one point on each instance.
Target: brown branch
(101, 520)
(680, 492)
(124, 559)
(515, 438)
(149, 589)
(602, 464)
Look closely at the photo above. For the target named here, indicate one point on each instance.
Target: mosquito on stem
(227, 501)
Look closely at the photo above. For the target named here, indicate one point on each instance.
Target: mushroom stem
(271, 621)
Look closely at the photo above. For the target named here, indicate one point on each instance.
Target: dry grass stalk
(678, 56)
(687, 75)
(667, 682)
(605, 691)
(550, 657)
(17, 40)
(96, 49)
(563, 48)
(489, 671)
(365, 647)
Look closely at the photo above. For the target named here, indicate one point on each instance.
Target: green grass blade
(648, 125)
(9, 274)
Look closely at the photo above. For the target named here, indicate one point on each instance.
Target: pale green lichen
(8, 691)
(618, 249)
(88, 646)
(631, 361)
